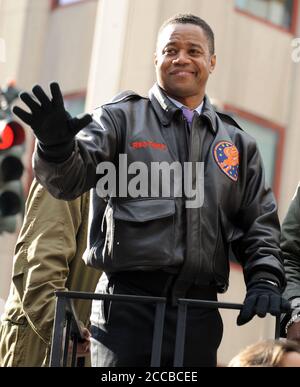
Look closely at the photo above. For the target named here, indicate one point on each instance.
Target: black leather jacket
(290, 245)
(157, 232)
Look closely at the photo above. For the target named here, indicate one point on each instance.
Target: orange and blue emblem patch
(227, 157)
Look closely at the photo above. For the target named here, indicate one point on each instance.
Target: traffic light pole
(12, 147)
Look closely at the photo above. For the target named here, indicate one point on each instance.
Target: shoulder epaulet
(125, 96)
(228, 119)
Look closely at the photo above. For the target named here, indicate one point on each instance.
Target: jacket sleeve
(94, 144)
(45, 248)
(290, 245)
(257, 246)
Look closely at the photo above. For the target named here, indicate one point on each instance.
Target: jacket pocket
(140, 233)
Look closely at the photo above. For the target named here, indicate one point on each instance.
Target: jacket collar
(166, 110)
(210, 114)
(163, 107)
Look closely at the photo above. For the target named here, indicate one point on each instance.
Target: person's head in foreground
(268, 353)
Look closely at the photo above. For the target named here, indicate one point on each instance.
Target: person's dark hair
(192, 19)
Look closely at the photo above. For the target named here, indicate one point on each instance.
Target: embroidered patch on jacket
(148, 144)
(227, 157)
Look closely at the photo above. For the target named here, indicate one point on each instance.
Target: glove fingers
(247, 311)
(57, 97)
(79, 123)
(30, 102)
(23, 115)
(285, 305)
(262, 305)
(42, 97)
(275, 305)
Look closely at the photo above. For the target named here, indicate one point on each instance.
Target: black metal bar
(277, 327)
(74, 350)
(180, 335)
(58, 327)
(67, 339)
(158, 334)
(210, 304)
(65, 305)
(110, 297)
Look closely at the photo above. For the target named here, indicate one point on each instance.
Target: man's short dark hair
(192, 19)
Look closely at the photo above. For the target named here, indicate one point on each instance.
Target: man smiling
(184, 59)
(159, 246)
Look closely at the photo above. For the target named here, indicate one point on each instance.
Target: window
(74, 104)
(66, 2)
(277, 12)
(63, 3)
(267, 141)
(269, 138)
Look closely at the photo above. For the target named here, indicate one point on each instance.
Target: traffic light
(12, 143)
(8, 95)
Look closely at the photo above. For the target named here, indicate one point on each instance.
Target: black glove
(262, 298)
(53, 126)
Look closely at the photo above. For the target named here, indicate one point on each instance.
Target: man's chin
(181, 92)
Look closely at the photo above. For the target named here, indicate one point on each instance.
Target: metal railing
(66, 324)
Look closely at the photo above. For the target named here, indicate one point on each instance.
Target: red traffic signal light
(11, 134)
(12, 141)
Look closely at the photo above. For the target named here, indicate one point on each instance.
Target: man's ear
(155, 59)
(213, 62)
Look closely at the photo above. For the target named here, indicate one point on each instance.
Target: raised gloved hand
(53, 126)
(262, 297)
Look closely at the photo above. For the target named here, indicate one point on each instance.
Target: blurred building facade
(96, 48)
